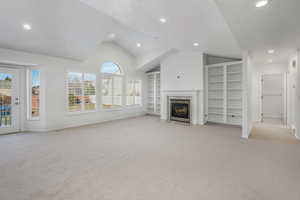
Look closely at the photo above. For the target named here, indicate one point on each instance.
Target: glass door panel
(9, 101)
(5, 99)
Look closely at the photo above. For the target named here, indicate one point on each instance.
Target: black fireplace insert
(180, 110)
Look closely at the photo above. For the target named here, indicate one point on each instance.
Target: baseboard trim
(245, 137)
(84, 124)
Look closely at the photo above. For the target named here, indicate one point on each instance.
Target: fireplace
(193, 98)
(180, 110)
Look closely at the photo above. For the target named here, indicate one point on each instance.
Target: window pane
(130, 93)
(110, 68)
(138, 92)
(5, 99)
(35, 93)
(89, 91)
(134, 92)
(74, 91)
(107, 92)
(117, 91)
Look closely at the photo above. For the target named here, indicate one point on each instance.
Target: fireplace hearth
(180, 110)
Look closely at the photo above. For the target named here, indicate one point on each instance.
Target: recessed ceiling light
(163, 20)
(27, 27)
(271, 51)
(261, 3)
(112, 36)
(196, 44)
(138, 44)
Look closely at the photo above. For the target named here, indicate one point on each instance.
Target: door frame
(18, 70)
(284, 96)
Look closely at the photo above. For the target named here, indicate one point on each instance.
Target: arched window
(110, 68)
(112, 81)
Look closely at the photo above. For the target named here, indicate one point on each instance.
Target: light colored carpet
(146, 159)
(273, 133)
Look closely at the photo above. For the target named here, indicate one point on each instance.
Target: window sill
(81, 112)
(134, 106)
(112, 109)
(116, 109)
(34, 119)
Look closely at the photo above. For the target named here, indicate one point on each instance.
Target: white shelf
(153, 93)
(224, 84)
(215, 113)
(216, 121)
(218, 107)
(232, 114)
(216, 75)
(234, 108)
(214, 82)
(215, 89)
(233, 81)
(234, 72)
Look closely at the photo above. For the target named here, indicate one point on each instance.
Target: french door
(9, 100)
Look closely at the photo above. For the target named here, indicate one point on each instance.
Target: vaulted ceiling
(73, 28)
(275, 26)
(64, 28)
(187, 22)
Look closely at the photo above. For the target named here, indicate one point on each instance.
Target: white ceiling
(187, 22)
(72, 29)
(276, 26)
(64, 28)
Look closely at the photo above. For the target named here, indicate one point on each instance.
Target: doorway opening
(273, 99)
(272, 126)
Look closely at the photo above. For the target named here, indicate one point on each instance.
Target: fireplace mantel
(197, 108)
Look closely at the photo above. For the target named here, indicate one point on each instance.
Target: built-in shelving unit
(224, 93)
(153, 93)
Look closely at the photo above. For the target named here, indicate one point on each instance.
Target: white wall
(182, 71)
(247, 95)
(297, 96)
(291, 94)
(54, 113)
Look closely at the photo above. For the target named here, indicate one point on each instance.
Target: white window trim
(82, 111)
(96, 88)
(122, 72)
(29, 94)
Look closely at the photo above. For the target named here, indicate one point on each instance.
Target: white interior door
(272, 97)
(9, 101)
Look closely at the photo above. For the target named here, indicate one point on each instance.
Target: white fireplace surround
(196, 107)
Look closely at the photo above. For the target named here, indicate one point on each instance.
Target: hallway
(273, 133)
